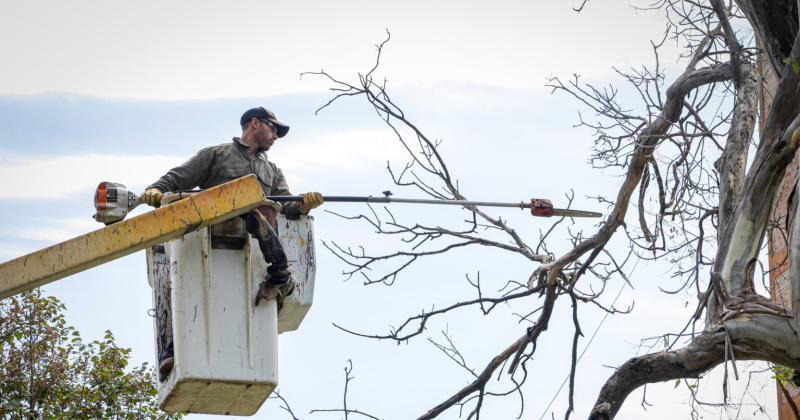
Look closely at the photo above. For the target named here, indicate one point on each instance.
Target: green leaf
(81, 380)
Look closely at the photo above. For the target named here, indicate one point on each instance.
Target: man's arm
(188, 175)
(184, 177)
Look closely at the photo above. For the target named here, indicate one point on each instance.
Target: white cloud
(461, 95)
(345, 151)
(10, 251)
(258, 48)
(62, 177)
(52, 230)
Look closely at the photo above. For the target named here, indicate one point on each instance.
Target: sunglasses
(269, 123)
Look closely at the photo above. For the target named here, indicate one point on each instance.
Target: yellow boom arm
(72, 256)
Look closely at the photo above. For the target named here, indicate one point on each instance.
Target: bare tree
(683, 151)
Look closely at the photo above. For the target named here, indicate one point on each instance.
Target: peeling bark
(754, 337)
(742, 238)
(794, 257)
(704, 353)
(734, 157)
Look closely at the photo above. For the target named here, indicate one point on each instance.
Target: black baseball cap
(264, 114)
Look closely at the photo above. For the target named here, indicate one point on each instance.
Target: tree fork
(753, 337)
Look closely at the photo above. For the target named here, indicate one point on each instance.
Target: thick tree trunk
(743, 325)
(740, 241)
(794, 256)
(775, 23)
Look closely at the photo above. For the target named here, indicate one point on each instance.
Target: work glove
(311, 200)
(152, 196)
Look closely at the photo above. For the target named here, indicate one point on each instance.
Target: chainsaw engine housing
(113, 201)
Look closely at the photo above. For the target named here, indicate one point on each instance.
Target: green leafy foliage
(783, 375)
(48, 371)
(795, 65)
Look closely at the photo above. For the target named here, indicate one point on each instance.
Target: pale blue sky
(122, 91)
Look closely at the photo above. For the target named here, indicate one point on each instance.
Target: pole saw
(113, 202)
(539, 207)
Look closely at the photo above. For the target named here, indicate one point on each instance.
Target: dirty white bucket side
(297, 238)
(225, 346)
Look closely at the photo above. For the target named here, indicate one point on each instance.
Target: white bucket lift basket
(226, 347)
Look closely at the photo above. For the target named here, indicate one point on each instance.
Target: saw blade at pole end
(575, 213)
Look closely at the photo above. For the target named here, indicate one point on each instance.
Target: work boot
(269, 290)
(166, 361)
(165, 367)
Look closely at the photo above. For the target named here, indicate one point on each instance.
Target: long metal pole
(387, 200)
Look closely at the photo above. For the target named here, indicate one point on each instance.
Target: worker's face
(264, 134)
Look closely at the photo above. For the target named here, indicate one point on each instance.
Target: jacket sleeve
(188, 175)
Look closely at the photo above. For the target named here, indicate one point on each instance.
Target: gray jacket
(219, 164)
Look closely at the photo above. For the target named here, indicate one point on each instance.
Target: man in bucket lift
(219, 164)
